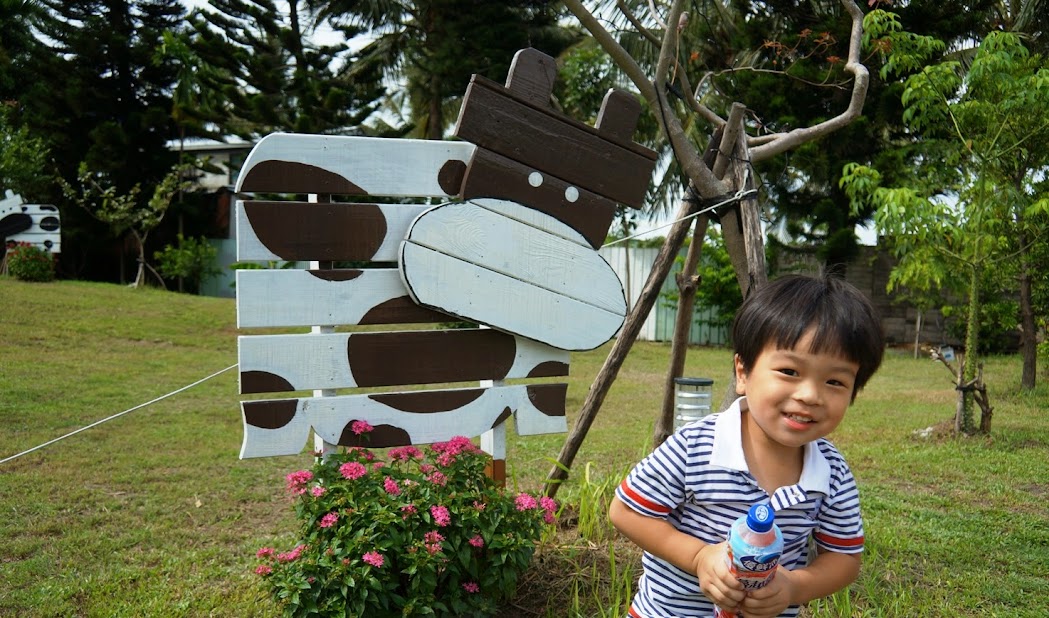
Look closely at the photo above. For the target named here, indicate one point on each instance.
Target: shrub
(28, 262)
(418, 533)
(193, 260)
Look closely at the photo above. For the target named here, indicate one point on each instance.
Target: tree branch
(861, 79)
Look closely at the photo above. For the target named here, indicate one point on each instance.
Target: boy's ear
(741, 375)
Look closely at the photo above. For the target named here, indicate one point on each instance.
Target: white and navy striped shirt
(700, 482)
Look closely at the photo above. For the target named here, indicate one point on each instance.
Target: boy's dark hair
(781, 311)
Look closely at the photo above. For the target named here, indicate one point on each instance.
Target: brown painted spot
(294, 177)
(548, 398)
(402, 310)
(270, 414)
(429, 401)
(323, 231)
(381, 436)
(450, 178)
(428, 357)
(503, 416)
(263, 382)
(549, 369)
(340, 274)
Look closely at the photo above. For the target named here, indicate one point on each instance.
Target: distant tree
(125, 212)
(265, 63)
(23, 159)
(432, 47)
(97, 96)
(974, 206)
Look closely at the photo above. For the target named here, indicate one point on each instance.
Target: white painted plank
(508, 304)
(329, 416)
(398, 218)
(532, 217)
(311, 361)
(298, 298)
(520, 251)
(380, 166)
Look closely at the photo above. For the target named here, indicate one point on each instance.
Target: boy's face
(796, 396)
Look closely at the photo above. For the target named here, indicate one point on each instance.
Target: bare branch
(634, 21)
(692, 99)
(861, 79)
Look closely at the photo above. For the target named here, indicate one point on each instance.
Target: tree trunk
(687, 282)
(964, 421)
(1028, 328)
(627, 335)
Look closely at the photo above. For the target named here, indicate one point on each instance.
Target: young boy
(804, 346)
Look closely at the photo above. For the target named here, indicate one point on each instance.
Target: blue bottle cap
(760, 518)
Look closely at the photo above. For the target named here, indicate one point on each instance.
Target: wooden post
(322, 448)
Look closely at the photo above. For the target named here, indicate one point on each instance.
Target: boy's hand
(770, 601)
(715, 579)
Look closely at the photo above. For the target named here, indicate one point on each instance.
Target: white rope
(735, 198)
(97, 423)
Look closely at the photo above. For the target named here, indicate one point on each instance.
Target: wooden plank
(494, 119)
(561, 262)
(507, 303)
(281, 427)
(272, 363)
(305, 231)
(494, 176)
(36, 224)
(276, 298)
(348, 165)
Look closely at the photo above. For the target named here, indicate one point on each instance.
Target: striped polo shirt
(699, 481)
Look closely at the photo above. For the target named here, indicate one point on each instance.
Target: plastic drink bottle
(754, 546)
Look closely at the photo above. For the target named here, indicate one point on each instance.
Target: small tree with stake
(124, 212)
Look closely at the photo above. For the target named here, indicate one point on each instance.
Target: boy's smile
(794, 395)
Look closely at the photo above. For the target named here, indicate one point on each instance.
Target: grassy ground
(152, 514)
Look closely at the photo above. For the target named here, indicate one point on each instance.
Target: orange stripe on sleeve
(839, 542)
(643, 501)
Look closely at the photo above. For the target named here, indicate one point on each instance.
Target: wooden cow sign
(36, 224)
(524, 201)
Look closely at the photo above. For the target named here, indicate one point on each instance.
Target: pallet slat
(278, 298)
(273, 363)
(342, 165)
(282, 427)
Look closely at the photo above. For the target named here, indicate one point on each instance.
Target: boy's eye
(788, 371)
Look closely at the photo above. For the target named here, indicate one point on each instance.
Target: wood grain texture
(491, 175)
(277, 298)
(304, 231)
(274, 363)
(494, 119)
(282, 427)
(342, 165)
(532, 282)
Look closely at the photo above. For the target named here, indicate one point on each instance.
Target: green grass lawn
(153, 514)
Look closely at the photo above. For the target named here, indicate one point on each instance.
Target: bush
(28, 262)
(419, 533)
(193, 260)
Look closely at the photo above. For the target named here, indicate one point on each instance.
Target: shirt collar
(728, 451)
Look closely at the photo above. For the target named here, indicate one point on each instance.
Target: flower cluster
(28, 262)
(414, 532)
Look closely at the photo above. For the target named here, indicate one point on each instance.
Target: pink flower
(328, 520)
(263, 569)
(296, 481)
(438, 478)
(476, 541)
(471, 587)
(292, 555)
(353, 470)
(549, 508)
(408, 509)
(374, 558)
(359, 427)
(479, 505)
(404, 453)
(525, 502)
(317, 491)
(265, 552)
(365, 453)
(391, 486)
(441, 516)
(378, 465)
(433, 541)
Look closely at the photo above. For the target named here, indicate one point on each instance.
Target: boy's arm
(688, 553)
(828, 573)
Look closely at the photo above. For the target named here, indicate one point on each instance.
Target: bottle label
(754, 571)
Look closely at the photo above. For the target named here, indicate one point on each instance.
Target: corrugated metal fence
(633, 265)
